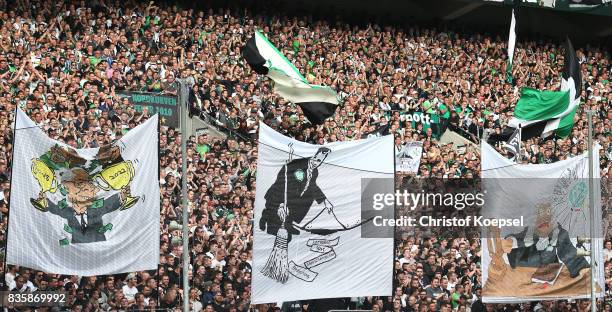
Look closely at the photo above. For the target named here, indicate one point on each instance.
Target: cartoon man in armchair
(542, 244)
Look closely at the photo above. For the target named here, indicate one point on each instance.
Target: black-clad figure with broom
(294, 191)
(288, 201)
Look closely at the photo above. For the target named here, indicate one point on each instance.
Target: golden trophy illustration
(118, 177)
(46, 179)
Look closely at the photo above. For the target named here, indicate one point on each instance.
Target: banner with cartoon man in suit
(84, 211)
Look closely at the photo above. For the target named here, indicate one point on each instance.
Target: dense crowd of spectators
(64, 62)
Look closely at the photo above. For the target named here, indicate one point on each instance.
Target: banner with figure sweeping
(92, 211)
(549, 256)
(408, 159)
(309, 238)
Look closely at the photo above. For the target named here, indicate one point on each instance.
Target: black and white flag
(317, 102)
(571, 82)
(309, 238)
(408, 159)
(513, 145)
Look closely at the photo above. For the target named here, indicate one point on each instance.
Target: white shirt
(196, 305)
(129, 292)
(78, 217)
(9, 277)
(216, 263)
(406, 260)
(608, 254)
(28, 286)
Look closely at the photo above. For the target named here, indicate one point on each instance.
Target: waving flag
(572, 83)
(547, 113)
(513, 145)
(317, 102)
(512, 40)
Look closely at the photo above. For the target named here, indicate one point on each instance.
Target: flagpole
(184, 197)
(394, 203)
(520, 137)
(157, 277)
(8, 219)
(592, 210)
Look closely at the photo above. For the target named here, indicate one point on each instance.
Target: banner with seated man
(549, 256)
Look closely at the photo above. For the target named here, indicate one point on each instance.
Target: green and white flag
(535, 109)
(547, 113)
(571, 82)
(85, 212)
(317, 102)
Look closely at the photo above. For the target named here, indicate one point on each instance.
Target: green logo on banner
(577, 194)
(299, 175)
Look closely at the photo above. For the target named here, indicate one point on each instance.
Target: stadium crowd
(64, 62)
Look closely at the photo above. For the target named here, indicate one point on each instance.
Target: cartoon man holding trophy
(79, 182)
(118, 177)
(43, 169)
(116, 174)
(46, 179)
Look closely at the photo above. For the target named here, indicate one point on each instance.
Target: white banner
(88, 211)
(409, 157)
(318, 251)
(546, 257)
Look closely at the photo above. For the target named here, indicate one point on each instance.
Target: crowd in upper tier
(65, 62)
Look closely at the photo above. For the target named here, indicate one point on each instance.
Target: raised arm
(56, 210)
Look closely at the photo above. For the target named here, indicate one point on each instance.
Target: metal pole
(520, 137)
(184, 197)
(592, 211)
(8, 215)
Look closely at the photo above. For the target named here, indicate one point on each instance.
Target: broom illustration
(277, 267)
